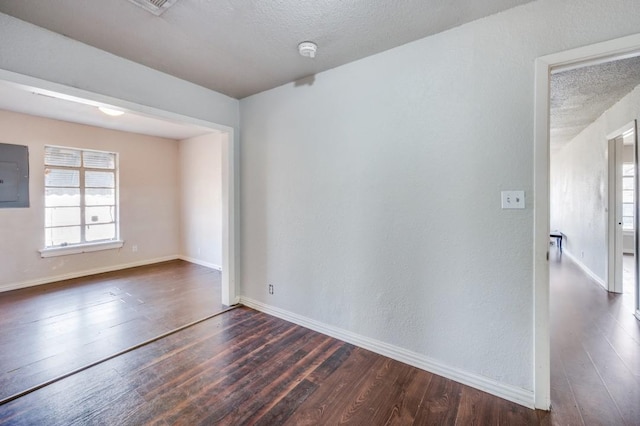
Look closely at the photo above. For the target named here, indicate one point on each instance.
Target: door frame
(614, 211)
(570, 59)
(229, 160)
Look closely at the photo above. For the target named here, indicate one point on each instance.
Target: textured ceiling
(580, 96)
(242, 47)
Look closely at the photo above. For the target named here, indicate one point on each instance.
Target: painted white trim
(501, 390)
(80, 248)
(200, 262)
(84, 96)
(541, 331)
(605, 51)
(85, 273)
(230, 220)
(622, 130)
(230, 203)
(585, 269)
(617, 48)
(615, 233)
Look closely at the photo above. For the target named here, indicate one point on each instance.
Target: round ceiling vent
(308, 49)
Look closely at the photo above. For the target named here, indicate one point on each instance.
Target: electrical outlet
(134, 248)
(270, 288)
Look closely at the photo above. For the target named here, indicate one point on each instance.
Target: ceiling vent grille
(157, 7)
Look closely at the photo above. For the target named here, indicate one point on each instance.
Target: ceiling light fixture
(110, 111)
(308, 49)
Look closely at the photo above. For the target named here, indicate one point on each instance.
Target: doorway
(603, 52)
(228, 160)
(623, 217)
(177, 270)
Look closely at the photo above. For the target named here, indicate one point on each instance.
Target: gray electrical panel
(14, 176)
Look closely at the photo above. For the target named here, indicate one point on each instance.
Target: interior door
(615, 210)
(615, 238)
(636, 220)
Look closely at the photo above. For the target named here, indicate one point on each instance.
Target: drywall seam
(79, 274)
(200, 262)
(511, 393)
(586, 270)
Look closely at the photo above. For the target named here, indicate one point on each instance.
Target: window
(628, 179)
(81, 194)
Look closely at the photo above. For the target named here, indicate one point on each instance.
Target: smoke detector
(157, 7)
(308, 49)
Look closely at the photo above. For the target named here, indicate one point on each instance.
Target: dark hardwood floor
(595, 351)
(49, 330)
(246, 367)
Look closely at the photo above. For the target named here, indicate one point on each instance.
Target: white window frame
(625, 166)
(84, 246)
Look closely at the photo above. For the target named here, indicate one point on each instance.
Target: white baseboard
(511, 393)
(585, 269)
(85, 273)
(200, 262)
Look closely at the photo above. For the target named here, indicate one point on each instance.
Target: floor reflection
(50, 330)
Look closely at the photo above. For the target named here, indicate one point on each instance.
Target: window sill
(80, 248)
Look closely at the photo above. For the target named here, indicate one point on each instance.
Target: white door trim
(229, 164)
(614, 214)
(543, 68)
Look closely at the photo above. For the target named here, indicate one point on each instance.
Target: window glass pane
(627, 183)
(628, 169)
(100, 232)
(61, 157)
(99, 179)
(99, 160)
(80, 203)
(104, 214)
(55, 197)
(627, 196)
(60, 177)
(99, 197)
(627, 209)
(62, 236)
(627, 223)
(61, 216)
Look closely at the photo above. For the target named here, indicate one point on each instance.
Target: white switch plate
(512, 199)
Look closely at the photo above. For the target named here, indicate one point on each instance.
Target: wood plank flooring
(49, 330)
(595, 351)
(245, 367)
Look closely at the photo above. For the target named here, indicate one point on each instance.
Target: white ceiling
(20, 99)
(242, 47)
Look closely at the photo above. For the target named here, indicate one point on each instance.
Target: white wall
(36, 52)
(201, 199)
(579, 186)
(371, 195)
(149, 212)
(33, 51)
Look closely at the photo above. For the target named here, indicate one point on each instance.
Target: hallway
(595, 350)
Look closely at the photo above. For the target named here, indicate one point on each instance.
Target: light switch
(512, 199)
